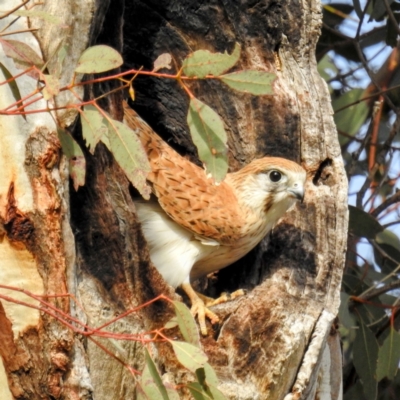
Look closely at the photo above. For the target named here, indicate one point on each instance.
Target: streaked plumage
(194, 227)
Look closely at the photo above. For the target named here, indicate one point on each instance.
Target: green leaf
(209, 136)
(208, 380)
(77, 163)
(12, 85)
(326, 68)
(253, 82)
(206, 375)
(188, 355)
(357, 8)
(369, 314)
(345, 317)
(211, 376)
(140, 393)
(355, 392)
(350, 119)
(353, 284)
(93, 126)
(172, 394)
(388, 299)
(38, 14)
(201, 377)
(198, 392)
(389, 238)
(365, 356)
(172, 323)
(129, 154)
(389, 356)
(56, 67)
(187, 324)
(97, 59)
(202, 63)
(387, 264)
(215, 393)
(151, 382)
(52, 87)
(22, 54)
(362, 224)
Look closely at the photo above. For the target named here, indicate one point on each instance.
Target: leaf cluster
(358, 61)
(190, 355)
(205, 125)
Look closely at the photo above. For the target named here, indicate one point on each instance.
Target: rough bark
(278, 341)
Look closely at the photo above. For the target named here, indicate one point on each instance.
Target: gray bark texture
(279, 340)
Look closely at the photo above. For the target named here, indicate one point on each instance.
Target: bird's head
(269, 185)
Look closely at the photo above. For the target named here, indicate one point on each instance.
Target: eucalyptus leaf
(345, 318)
(389, 238)
(77, 162)
(129, 154)
(188, 355)
(370, 313)
(350, 119)
(52, 86)
(56, 67)
(38, 14)
(362, 224)
(202, 63)
(357, 8)
(209, 136)
(172, 394)
(187, 324)
(151, 382)
(216, 393)
(389, 356)
(94, 126)
(198, 392)
(97, 59)
(254, 82)
(211, 376)
(365, 357)
(12, 84)
(172, 323)
(22, 54)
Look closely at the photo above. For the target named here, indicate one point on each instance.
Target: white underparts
(172, 248)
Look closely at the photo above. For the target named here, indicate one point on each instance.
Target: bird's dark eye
(275, 176)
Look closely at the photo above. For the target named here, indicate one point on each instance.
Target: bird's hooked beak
(297, 190)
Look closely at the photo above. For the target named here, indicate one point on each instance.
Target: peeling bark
(278, 341)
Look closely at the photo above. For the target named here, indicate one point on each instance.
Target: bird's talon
(225, 297)
(200, 311)
(238, 293)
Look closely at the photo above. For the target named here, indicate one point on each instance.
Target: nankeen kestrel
(193, 226)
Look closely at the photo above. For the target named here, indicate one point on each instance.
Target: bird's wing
(185, 193)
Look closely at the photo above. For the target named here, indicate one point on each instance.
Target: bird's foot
(200, 304)
(209, 302)
(200, 310)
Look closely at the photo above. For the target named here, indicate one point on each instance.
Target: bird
(193, 226)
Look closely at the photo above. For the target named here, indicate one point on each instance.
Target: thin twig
(7, 13)
(388, 202)
(382, 290)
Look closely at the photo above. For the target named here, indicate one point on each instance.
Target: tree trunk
(279, 340)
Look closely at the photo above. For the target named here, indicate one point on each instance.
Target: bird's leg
(198, 308)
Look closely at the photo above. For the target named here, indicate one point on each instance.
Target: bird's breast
(222, 256)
